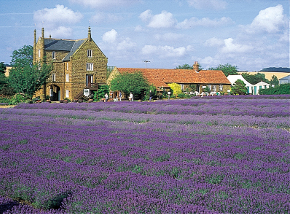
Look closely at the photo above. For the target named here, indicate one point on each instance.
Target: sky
(249, 34)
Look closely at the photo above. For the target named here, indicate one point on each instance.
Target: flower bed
(202, 155)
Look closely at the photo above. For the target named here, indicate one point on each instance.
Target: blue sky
(250, 34)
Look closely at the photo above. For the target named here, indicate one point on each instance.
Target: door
(89, 80)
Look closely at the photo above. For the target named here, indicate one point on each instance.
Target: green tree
(130, 82)
(100, 93)
(187, 66)
(274, 81)
(256, 78)
(25, 77)
(3, 78)
(239, 87)
(227, 69)
(279, 89)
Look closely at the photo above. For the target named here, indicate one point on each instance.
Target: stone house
(160, 78)
(77, 65)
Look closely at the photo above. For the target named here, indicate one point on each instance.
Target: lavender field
(226, 154)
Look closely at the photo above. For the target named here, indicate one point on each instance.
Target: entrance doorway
(54, 93)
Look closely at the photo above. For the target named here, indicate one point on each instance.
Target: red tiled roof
(161, 77)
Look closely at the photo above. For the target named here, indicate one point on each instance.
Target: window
(221, 87)
(39, 53)
(53, 54)
(90, 66)
(214, 88)
(182, 87)
(53, 77)
(209, 86)
(67, 93)
(67, 66)
(67, 77)
(90, 53)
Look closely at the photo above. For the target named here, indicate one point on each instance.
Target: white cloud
(165, 51)
(102, 3)
(61, 31)
(209, 62)
(208, 4)
(206, 22)
(146, 15)
(231, 47)
(162, 20)
(57, 15)
(55, 19)
(139, 29)
(125, 45)
(214, 42)
(270, 20)
(110, 36)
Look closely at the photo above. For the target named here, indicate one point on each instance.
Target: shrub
(176, 88)
(281, 89)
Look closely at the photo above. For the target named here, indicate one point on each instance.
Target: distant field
(226, 154)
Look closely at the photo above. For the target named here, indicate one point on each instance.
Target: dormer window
(89, 53)
(53, 54)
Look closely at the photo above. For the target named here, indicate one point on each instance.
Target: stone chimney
(196, 67)
(89, 34)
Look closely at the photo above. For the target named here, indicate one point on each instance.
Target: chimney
(196, 67)
(42, 33)
(89, 34)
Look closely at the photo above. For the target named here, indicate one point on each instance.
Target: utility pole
(146, 61)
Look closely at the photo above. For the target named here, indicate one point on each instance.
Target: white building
(284, 80)
(252, 89)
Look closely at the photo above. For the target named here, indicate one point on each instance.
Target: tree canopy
(274, 80)
(25, 77)
(239, 87)
(3, 79)
(130, 82)
(187, 66)
(227, 69)
(256, 78)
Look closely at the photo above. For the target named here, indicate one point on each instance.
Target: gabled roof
(161, 77)
(63, 45)
(234, 78)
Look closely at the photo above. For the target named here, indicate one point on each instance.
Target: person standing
(106, 97)
(120, 95)
(131, 97)
(150, 95)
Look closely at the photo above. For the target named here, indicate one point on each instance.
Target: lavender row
(257, 107)
(222, 120)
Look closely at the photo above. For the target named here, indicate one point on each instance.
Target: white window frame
(90, 66)
(67, 93)
(67, 66)
(67, 77)
(39, 53)
(214, 88)
(89, 53)
(221, 87)
(53, 54)
(53, 77)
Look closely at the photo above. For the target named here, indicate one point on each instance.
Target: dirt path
(7, 106)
